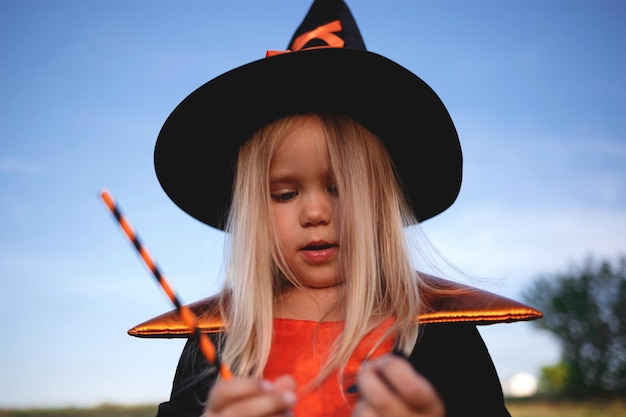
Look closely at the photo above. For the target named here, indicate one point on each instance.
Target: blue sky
(536, 89)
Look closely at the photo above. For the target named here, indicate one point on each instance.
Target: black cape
(452, 356)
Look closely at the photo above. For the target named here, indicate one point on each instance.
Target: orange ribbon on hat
(323, 32)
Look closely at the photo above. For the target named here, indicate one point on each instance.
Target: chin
(323, 285)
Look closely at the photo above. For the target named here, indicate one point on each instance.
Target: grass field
(545, 408)
(101, 411)
(614, 408)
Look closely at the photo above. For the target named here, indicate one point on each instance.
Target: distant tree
(554, 379)
(585, 309)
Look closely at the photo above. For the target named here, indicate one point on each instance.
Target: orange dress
(300, 347)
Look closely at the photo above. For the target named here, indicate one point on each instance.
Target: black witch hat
(326, 69)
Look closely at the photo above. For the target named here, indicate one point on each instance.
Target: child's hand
(390, 387)
(251, 397)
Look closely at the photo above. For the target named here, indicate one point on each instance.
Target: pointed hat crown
(328, 23)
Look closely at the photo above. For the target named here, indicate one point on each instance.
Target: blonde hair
(380, 280)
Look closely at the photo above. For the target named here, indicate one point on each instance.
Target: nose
(316, 209)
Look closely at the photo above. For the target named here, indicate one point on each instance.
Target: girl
(338, 150)
(316, 183)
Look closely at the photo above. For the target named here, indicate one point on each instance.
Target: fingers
(389, 386)
(251, 397)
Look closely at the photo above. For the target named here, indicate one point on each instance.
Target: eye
(333, 190)
(284, 196)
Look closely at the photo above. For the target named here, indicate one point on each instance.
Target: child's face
(304, 202)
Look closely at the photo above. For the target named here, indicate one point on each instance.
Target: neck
(307, 303)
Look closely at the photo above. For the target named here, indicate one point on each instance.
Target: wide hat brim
(196, 150)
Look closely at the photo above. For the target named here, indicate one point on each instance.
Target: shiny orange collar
(444, 301)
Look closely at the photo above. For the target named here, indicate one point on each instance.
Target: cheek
(336, 214)
(284, 223)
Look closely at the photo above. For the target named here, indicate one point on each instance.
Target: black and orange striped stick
(187, 316)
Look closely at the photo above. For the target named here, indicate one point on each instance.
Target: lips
(319, 251)
(317, 246)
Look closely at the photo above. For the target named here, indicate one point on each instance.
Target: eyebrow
(282, 177)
